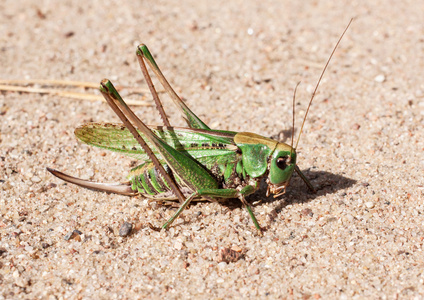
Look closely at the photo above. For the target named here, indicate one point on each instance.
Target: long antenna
(319, 80)
(294, 104)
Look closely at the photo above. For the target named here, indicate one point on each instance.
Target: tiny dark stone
(68, 235)
(307, 212)
(28, 152)
(2, 251)
(125, 229)
(68, 281)
(45, 245)
(69, 34)
(16, 233)
(229, 255)
(72, 234)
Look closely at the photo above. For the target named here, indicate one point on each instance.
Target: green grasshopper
(186, 164)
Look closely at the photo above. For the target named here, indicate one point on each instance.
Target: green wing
(198, 143)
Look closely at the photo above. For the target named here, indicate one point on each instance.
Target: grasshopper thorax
(264, 157)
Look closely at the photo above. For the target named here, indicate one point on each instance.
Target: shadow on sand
(324, 183)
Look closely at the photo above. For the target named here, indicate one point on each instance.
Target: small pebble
(35, 179)
(6, 186)
(75, 234)
(45, 245)
(15, 274)
(356, 126)
(228, 255)
(236, 248)
(178, 245)
(22, 282)
(125, 229)
(195, 228)
(51, 185)
(307, 212)
(369, 204)
(380, 78)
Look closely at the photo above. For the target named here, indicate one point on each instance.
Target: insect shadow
(324, 183)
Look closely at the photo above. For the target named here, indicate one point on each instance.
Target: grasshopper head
(281, 166)
(262, 155)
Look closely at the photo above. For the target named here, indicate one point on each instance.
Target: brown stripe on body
(148, 181)
(160, 179)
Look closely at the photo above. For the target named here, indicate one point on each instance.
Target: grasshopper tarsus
(158, 229)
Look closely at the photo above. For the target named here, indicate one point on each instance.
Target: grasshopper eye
(282, 162)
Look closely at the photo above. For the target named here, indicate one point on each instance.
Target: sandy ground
(236, 63)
